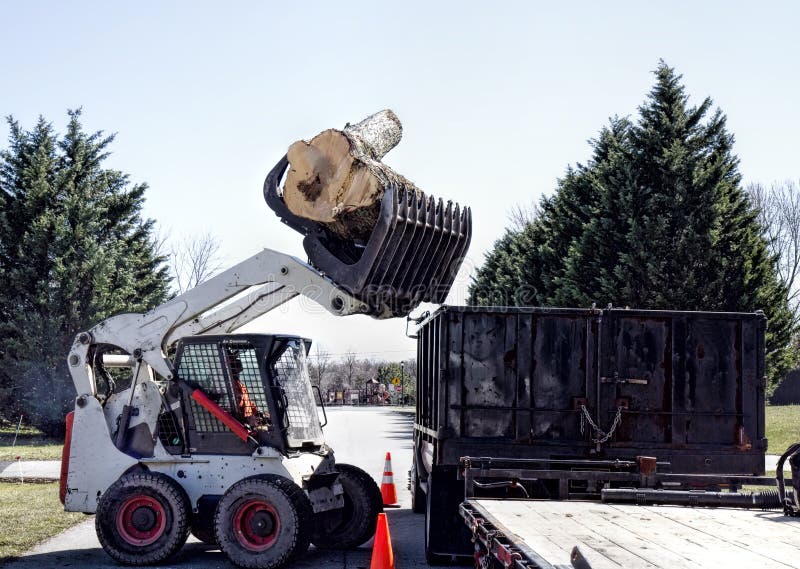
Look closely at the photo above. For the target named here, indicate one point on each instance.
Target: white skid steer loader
(181, 426)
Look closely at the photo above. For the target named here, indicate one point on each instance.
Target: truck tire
(354, 523)
(142, 519)
(263, 522)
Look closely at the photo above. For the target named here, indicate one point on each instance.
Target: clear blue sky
(496, 101)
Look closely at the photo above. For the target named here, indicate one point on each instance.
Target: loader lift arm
(260, 284)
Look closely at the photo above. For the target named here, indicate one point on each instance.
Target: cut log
(338, 179)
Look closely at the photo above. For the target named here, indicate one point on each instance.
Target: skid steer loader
(181, 426)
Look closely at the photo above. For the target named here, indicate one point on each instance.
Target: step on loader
(182, 426)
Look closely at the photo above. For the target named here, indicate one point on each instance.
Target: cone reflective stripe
(382, 554)
(388, 491)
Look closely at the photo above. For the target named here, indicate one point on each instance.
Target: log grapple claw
(412, 255)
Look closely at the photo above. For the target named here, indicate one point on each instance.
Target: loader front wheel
(142, 519)
(263, 522)
(353, 524)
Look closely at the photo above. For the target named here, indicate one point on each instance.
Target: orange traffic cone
(382, 554)
(388, 491)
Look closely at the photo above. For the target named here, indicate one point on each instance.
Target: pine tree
(74, 249)
(657, 219)
(501, 276)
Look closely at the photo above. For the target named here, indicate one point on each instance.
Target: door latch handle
(617, 379)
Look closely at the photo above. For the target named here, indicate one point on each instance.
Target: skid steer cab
(230, 449)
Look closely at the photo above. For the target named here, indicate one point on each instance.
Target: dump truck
(527, 417)
(180, 425)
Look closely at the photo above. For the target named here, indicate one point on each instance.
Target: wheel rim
(141, 520)
(256, 525)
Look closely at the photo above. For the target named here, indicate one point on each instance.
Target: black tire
(203, 529)
(418, 505)
(355, 523)
(262, 522)
(430, 557)
(143, 519)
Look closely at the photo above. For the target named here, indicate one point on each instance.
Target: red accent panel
(220, 413)
(62, 485)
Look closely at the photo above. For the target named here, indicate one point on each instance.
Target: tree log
(338, 179)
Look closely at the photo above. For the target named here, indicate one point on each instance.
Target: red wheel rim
(256, 525)
(141, 520)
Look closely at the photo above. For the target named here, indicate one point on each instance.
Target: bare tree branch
(779, 214)
(194, 260)
(349, 364)
(321, 365)
(161, 238)
(520, 216)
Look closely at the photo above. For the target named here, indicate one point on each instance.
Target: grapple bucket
(412, 255)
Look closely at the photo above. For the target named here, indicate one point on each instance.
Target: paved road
(359, 436)
(30, 469)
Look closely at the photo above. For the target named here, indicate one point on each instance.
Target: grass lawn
(783, 427)
(29, 514)
(31, 444)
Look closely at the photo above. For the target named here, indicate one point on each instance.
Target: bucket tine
(425, 250)
(443, 239)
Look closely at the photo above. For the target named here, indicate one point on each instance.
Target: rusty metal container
(685, 387)
(578, 385)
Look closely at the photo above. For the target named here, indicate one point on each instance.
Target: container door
(563, 374)
(489, 386)
(635, 380)
(709, 393)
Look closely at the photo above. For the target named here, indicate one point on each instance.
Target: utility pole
(402, 381)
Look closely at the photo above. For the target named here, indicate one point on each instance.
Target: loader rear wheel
(142, 519)
(264, 521)
(353, 524)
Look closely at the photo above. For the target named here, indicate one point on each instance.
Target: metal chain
(603, 436)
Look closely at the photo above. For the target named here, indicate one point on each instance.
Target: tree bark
(338, 179)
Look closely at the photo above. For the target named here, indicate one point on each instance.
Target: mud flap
(447, 532)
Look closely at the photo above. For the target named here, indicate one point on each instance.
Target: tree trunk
(338, 179)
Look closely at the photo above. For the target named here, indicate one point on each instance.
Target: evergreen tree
(657, 219)
(74, 249)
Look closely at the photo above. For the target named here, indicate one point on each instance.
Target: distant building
(788, 392)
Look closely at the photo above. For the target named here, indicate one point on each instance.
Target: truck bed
(616, 535)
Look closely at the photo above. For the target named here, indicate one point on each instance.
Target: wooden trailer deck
(616, 535)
